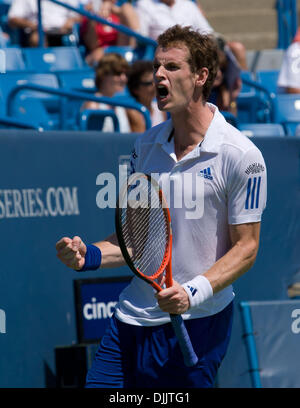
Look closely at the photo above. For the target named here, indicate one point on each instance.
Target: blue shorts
(149, 357)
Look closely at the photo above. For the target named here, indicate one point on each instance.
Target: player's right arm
(72, 252)
(111, 253)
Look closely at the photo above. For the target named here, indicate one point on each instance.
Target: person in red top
(96, 36)
(297, 36)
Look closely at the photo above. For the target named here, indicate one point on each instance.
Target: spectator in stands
(141, 87)
(110, 79)
(96, 36)
(155, 16)
(57, 20)
(236, 47)
(228, 83)
(289, 75)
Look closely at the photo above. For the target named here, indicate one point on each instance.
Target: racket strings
(148, 262)
(147, 241)
(146, 232)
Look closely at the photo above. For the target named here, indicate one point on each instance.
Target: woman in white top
(141, 87)
(110, 79)
(289, 75)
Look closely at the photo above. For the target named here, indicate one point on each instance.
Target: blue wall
(278, 260)
(36, 291)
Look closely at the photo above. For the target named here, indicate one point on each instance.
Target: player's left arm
(247, 195)
(239, 259)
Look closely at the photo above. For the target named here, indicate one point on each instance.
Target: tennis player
(212, 247)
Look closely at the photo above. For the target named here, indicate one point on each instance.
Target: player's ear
(201, 76)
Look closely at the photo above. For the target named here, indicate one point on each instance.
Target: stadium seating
(94, 120)
(246, 87)
(2, 104)
(268, 78)
(77, 79)
(262, 129)
(19, 105)
(133, 54)
(53, 59)
(14, 60)
(268, 59)
(126, 51)
(7, 122)
(248, 101)
(287, 111)
(32, 110)
(72, 73)
(255, 101)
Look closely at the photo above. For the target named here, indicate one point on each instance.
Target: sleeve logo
(252, 196)
(254, 168)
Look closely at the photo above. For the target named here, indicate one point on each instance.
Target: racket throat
(169, 280)
(155, 286)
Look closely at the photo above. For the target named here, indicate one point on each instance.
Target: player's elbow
(250, 249)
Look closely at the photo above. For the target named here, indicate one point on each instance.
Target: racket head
(143, 228)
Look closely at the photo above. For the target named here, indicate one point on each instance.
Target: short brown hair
(203, 50)
(110, 64)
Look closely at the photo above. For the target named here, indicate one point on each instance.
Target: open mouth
(162, 91)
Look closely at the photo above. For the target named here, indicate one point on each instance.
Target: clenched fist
(71, 252)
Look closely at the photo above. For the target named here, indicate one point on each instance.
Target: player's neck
(190, 127)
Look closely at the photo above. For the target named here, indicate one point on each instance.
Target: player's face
(174, 81)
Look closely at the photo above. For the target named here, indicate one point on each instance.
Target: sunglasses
(146, 83)
(118, 73)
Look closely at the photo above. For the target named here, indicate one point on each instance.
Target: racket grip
(189, 355)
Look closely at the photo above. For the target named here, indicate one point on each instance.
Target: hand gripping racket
(143, 228)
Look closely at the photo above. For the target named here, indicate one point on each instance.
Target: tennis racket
(143, 228)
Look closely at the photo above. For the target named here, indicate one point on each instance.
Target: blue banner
(95, 303)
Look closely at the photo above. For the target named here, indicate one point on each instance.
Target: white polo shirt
(289, 75)
(221, 182)
(53, 16)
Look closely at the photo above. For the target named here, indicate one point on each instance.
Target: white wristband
(199, 290)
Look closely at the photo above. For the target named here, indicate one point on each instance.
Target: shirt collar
(215, 133)
(213, 136)
(164, 132)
